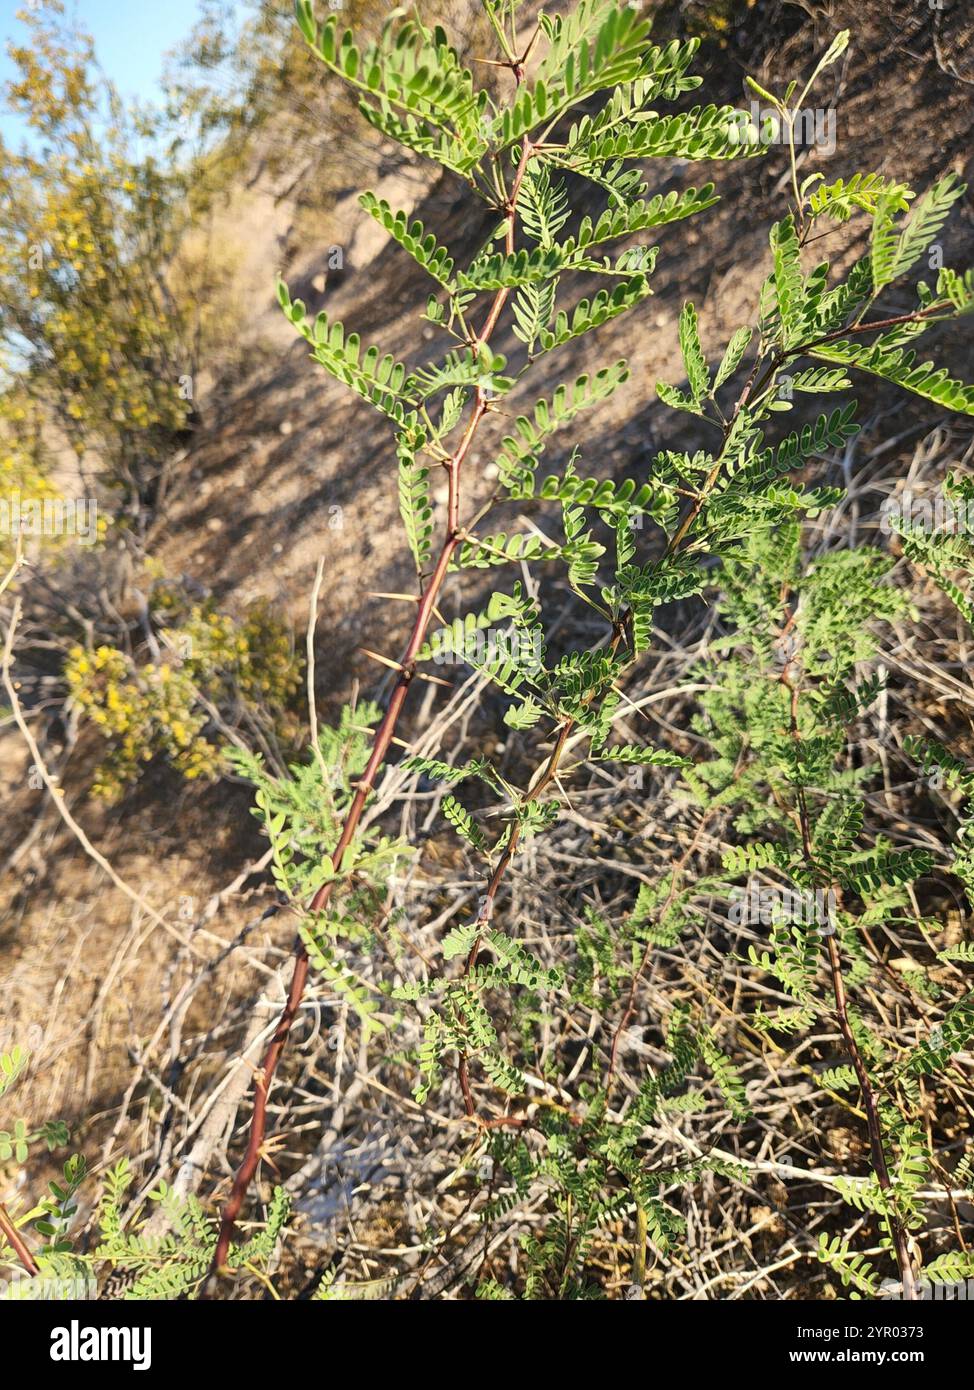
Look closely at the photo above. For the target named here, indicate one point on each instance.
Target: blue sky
(131, 40)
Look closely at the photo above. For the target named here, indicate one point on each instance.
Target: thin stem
(873, 326)
(777, 361)
(639, 1254)
(790, 123)
(710, 482)
(383, 739)
(16, 1242)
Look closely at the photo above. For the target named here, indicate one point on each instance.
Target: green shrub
(727, 518)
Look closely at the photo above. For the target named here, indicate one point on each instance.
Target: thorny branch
(383, 739)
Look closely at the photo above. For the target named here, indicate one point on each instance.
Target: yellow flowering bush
(26, 485)
(215, 671)
(87, 229)
(23, 466)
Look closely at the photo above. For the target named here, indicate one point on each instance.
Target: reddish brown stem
(383, 739)
(16, 1242)
(778, 360)
(874, 326)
